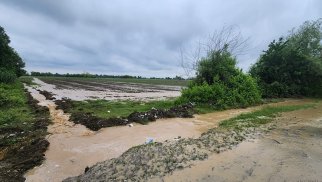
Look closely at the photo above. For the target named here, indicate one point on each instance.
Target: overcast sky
(139, 37)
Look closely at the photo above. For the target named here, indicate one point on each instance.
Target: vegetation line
(263, 116)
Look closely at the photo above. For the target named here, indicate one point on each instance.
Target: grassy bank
(263, 116)
(23, 126)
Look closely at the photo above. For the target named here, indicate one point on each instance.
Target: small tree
(227, 43)
(218, 82)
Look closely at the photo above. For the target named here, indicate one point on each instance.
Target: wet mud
(28, 148)
(291, 152)
(73, 147)
(95, 123)
(157, 160)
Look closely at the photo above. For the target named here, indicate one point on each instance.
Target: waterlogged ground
(74, 147)
(291, 152)
(84, 90)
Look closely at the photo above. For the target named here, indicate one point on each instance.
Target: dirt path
(292, 152)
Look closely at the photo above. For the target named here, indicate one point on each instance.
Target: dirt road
(292, 152)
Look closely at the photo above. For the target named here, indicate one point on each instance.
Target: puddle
(74, 147)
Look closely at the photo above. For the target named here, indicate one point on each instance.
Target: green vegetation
(111, 109)
(28, 80)
(15, 111)
(292, 66)
(263, 116)
(11, 65)
(220, 84)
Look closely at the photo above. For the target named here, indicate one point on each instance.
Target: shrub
(238, 91)
(7, 76)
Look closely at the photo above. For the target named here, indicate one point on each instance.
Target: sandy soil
(83, 91)
(292, 152)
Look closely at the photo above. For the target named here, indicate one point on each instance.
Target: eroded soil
(73, 147)
(291, 152)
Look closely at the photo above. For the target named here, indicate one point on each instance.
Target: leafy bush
(238, 91)
(7, 76)
(292, 66)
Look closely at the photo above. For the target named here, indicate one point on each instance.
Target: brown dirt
(291, 152)
(28, 150)
(155, 161)
(95, 123)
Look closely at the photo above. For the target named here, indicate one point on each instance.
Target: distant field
(124, 80)
(108, 88)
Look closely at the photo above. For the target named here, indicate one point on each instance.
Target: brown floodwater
(292, 152)
(74, 147)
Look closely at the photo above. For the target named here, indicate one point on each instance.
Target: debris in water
(130, 125)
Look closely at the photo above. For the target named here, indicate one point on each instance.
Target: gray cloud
(139, 37)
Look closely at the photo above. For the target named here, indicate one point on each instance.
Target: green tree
(218, 82)
(292, 66)
(9, 58)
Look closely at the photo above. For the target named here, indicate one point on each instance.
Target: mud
(48, 95)
(28, 148)
(155, 161)
(95, 123)
(80, 90)
(73, 147)
(291, 152)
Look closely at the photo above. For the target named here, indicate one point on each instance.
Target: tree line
(290, 67)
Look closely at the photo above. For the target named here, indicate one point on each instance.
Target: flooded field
(91, 89)
(74, 147)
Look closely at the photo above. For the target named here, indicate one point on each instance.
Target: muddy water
(293, 152)
(73, 147)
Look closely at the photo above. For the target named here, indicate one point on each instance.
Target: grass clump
(262, 116)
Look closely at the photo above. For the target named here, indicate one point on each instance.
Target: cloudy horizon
(139, 37)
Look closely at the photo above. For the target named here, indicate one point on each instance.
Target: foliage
(7, 76)
(9, 58)
(292, 66)
(220, 84)
(13, 106)
(218, 65)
